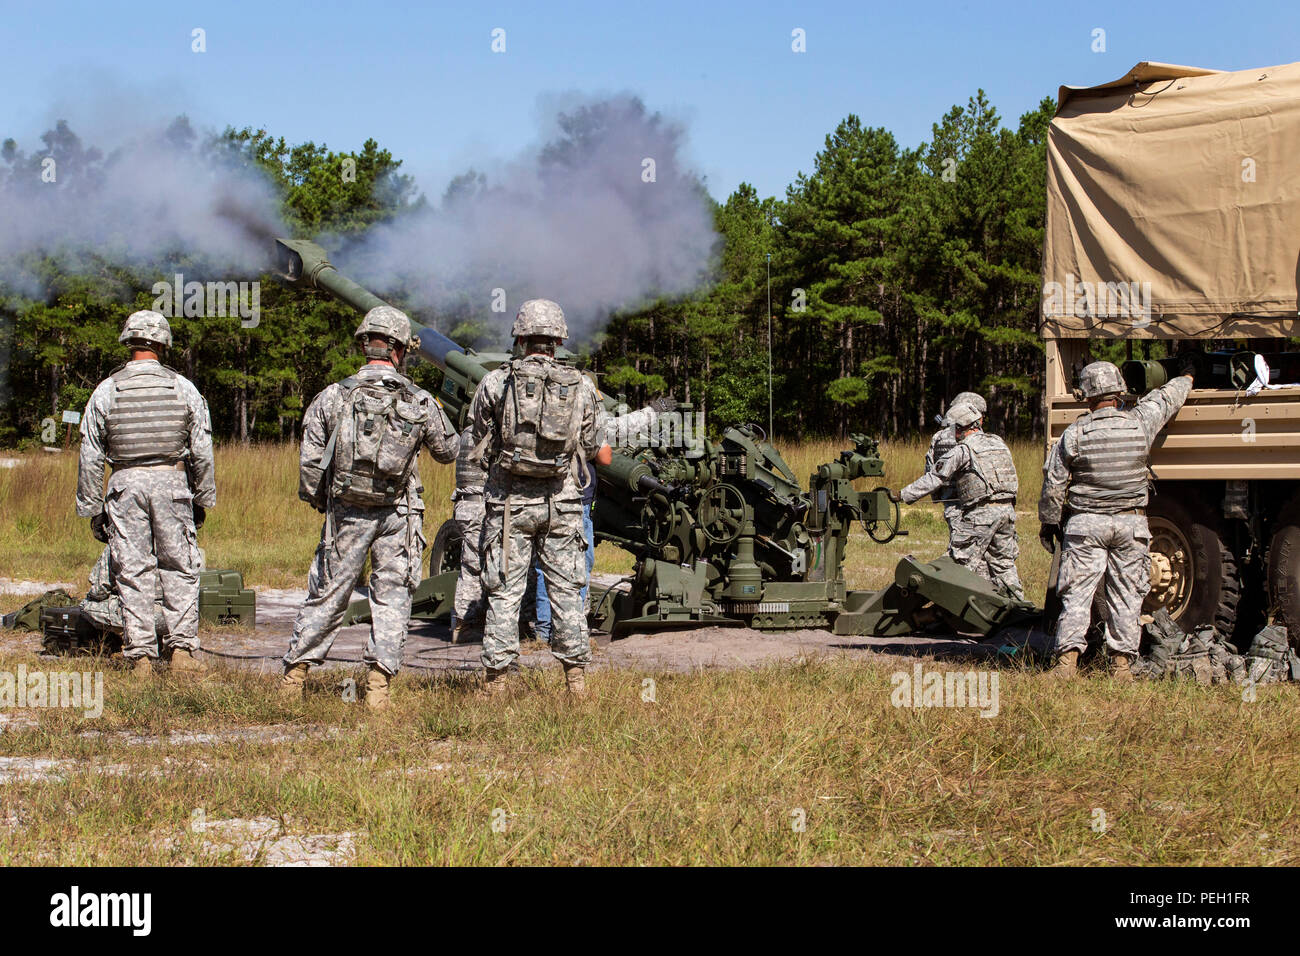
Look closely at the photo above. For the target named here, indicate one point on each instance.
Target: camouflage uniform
(545, 519)
(980, 472)
(630, 428)
(470, 607)
(103, 605)
(942, 442)
(152, 426)
(1098, 469)
(391, 533)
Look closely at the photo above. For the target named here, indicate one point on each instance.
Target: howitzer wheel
(891, 525)
(722, 514)
(445, 554)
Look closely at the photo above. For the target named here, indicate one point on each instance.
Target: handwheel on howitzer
(722, 514)
(890, 524)
(659, 519)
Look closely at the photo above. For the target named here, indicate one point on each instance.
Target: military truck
(1173, 223)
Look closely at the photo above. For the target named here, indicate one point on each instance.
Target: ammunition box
(66, 631)
(223, 599)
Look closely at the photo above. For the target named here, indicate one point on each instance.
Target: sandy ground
(429, 646)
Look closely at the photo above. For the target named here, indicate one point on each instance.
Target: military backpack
(382, 423)
(540, 418)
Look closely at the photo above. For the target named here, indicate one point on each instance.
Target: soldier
(467, 512)
(535, 425)
(943, 442)
(359, 465)
(152, 426)
(982, 476)
(617, 431)
(1098, 471)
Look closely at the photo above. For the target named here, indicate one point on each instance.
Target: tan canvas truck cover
(1173, 205)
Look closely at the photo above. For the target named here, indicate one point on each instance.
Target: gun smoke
(603, 215)
(147, 202)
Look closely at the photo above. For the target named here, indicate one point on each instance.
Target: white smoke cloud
(164, 192)
(603, 215)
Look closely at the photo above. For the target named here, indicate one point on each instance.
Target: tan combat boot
(494, 683)
(377, 689)
(1121, 670)
(294, 682)
(142, 670)
(184, 664)
(1067, 666)
(575, 680)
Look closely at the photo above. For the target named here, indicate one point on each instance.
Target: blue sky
(423, 81)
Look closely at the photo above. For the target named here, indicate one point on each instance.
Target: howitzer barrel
(304, 263)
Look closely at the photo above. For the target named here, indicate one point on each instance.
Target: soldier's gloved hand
(1049, 535)
(664, 403)
(200, 516)
(99, 527)
(1189, 363)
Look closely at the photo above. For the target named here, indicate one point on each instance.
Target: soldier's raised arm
(1156, 408)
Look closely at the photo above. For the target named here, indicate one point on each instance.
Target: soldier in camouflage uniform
(1098, 471)
(628, 429)
(359, 465)
(471, 602)
(470, 606)
(152, 426)
(535, 425)
(982, 476)
(942, 442)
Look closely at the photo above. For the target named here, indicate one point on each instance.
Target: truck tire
(1194, 572)
(445, 553)
(1284, 570)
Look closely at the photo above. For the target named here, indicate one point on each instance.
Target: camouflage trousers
(983, 539)
(394, 539)
(550, 532)
(152, 543)
(470, 605)
(1110, 551)
(952, 516)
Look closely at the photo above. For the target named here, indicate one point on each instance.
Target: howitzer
(722, 532)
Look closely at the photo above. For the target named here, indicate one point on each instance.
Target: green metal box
(223, 599)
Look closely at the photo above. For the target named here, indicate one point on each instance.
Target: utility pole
(770, 436)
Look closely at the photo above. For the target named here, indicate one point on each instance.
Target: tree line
(898, 277)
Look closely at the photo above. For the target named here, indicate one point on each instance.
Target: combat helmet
(540, 317)
(962, 415)
(147, 328)
(974, 400)
(387, 321)
(1101, 379)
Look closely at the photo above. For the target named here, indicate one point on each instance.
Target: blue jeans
(543, 604)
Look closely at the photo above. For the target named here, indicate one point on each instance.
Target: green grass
(716, 771)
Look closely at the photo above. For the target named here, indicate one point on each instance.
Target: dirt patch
(264, 840)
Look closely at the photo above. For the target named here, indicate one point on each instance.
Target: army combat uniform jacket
(151, 426)
(360, 463)
(529, 516)
(981, 477)
(1098, 469)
